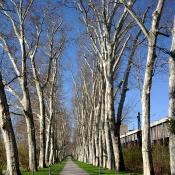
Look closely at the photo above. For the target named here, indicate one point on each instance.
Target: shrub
(2, 157)
(133, 158)
(161, 162)
(23, 155)
(160, 153)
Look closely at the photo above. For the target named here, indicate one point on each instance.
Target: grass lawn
(55, 170)
(93, 170)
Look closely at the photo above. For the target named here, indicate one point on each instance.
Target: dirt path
(72, 169)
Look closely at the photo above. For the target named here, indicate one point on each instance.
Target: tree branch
(136, 18)
(12, 58)
(120, 54)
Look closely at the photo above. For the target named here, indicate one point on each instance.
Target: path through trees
(121, 48)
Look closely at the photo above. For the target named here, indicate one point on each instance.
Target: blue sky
(159, 93)
(70, 58)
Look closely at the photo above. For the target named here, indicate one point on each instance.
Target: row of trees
(32, 43)
(113, 41)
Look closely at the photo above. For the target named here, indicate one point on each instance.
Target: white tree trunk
(42, 132)
(31, 143)
(152, 41)
(48, 138)
(146, 142)
(172, 101)
(27, 109)
(108, 117)
(8, 134)
(40, 93)
(51, 155)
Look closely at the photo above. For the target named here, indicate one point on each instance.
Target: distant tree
(54, 46)
(109, 38)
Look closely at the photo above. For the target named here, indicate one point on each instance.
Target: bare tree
(54, 49)
(151, 56)
(109, 40)
(18, 27)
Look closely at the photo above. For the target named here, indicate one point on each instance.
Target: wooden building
(159, 133)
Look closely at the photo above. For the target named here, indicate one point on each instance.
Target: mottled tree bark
(172, 101)
(151, 56)
(8, 134)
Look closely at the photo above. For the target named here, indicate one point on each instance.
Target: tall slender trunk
(48, 136)
(172, 101)
(51, 109)
(93, 147)
(42, 134)
(151, 56)
(146, 143)
(109, 113)
(119, 161)
(117, 158)
(31, 142)
(100, 147)
(42, 131)
(26, 103)
(104, 149)
(51, 155)
(102, 124)
(90, 135)
(97, 130)
(97, 147)
(109, 151)
(118, 153)
(8, 134)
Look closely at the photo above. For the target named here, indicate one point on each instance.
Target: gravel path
(72, 169)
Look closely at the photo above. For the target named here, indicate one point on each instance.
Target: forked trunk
(151, 56)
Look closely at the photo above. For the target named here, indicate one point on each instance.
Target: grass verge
(93, 170)
(55, 170)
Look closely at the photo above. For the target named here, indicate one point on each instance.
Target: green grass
(55, 170)
(93, 170)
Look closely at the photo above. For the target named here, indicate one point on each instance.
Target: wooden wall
(159, 132)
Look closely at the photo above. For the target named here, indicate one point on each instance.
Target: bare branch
(27, 9)
(15, 113)
(13, 79)
(120, 54)
(136, 18)
(12, 58)
(11, 19)
(13, 92)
